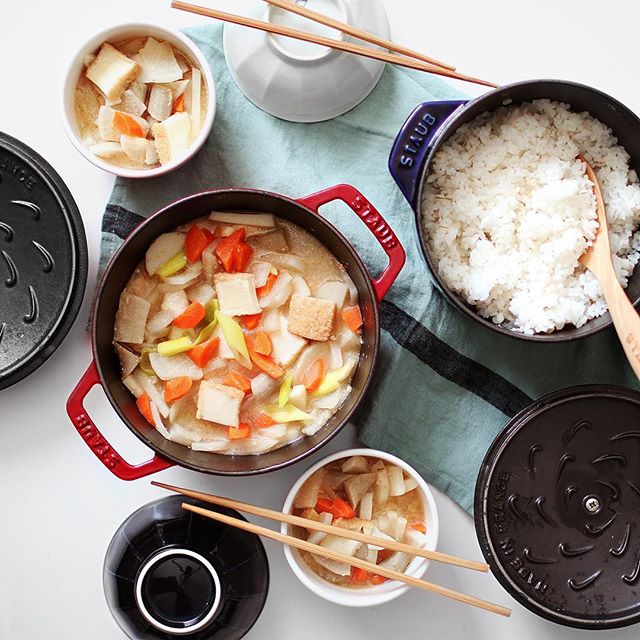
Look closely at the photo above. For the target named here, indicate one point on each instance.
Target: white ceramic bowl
(300, 81)
(119, 33)
(380, 593)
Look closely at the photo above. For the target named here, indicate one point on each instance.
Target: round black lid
(557, 507)
(43, 260)
(171, 573)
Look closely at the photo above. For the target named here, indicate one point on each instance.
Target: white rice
(507, 211)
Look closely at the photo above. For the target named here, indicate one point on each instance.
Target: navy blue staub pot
(431, 124)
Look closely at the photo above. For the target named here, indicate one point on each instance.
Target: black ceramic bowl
(433, 123)
(557, 507)
(170, 573)
(105, 370)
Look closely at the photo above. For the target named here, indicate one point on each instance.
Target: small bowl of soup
(370, 492)
(138, 100)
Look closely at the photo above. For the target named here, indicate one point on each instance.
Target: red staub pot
(105, 370)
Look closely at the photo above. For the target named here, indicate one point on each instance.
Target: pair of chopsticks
(415, 60)
(303, 545)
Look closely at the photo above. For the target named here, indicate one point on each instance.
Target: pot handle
(376, 223)
(96, 442)
(413, 143)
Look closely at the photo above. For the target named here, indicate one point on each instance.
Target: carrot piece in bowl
(202, 353)
(127, 125)
(352, 318)
(177, 388)
(144, 406)
(191, 316)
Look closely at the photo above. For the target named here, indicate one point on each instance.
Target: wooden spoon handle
(626, 321)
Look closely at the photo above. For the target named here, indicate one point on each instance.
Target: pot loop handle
(376, 223)
(413, 144)
(88, 431)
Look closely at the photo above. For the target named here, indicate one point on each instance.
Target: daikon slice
(365, 511)
(170, 367)
(261, 271)
(159, 323)
(396, 480)
(334, 290)
(158, 421)
(397, 561)
(279, 294)
(317, 537)
(245, 219)
(300, 286)
(211, 445)
(151, 388)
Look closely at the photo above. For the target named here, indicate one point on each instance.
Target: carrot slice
(234, 253)
(237, 381)
(243, 430)
(195, 243)
(359, 576)
(419, 526)
(342, 509)
(324, 505)
(209, 235)
(266, 363)
(144, 406)
(251, 322)
(339, 508)
(263, 290)
(263, 421)
(177, 388)
(378, 579)
(262, 343)
(127, 125)
(314, 375)
(191, 316)
(383, 554)
(178, 105)
(202, 353)
(352, 318)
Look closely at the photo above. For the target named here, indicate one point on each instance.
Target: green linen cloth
(444, 386)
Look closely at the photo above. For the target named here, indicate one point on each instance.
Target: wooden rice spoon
(598, 260)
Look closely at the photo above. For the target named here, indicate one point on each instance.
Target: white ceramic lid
(300, 81)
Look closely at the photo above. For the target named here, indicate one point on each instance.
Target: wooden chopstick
(361, 34)
(355, 562)
(349, 47)
(326, 528)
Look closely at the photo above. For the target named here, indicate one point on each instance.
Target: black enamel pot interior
(433, 123)
(106, 371)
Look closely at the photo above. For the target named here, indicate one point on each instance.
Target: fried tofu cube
(172, 136)
(311, 318)
(218, 403)
(237, 293)
(112, 71)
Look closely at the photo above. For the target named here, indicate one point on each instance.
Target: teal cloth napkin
(444, 386)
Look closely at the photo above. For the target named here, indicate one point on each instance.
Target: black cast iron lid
(557, 507)
(43, 260)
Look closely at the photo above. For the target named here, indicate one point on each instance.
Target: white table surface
(60, 507)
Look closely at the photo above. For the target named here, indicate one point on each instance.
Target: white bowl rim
(70, 81)
(375, 595)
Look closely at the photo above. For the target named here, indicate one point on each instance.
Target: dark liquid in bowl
(178, 591)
